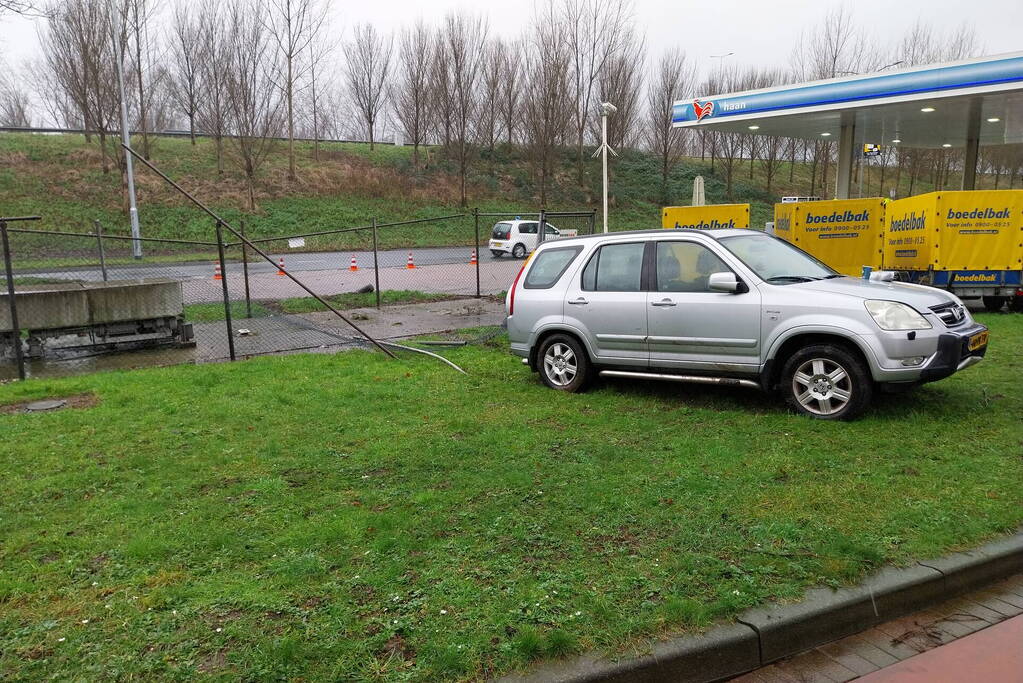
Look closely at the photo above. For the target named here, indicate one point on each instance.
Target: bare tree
(412, 85)
(673, 79)
(490, 93)
(621, 82)
(185, 62)
(441, 108)
(595, 31)
(464, 38)
(215, 56)
(512, 77)
(368, 66)
(293, 25)
(17, 7)
(727, 147)
(15, 104)
(135, 17)
(78, 48)
(319, 53)
(546, 118)
(253, 98)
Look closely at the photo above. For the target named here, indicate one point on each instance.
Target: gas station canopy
(957, 104)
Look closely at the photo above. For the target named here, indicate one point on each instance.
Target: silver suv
(732, 307)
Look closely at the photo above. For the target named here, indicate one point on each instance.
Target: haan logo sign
(705, 109)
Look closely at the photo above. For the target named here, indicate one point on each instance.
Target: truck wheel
(994, 304)
(1016, 305)
(496, 254)
(563, 363)
(519, 250)
(826, 382)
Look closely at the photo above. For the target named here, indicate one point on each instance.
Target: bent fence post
(376, 264)
(102, 253)
(223, 284)
(19, 356)
(266, 257)
(476, 250)
(245, 271)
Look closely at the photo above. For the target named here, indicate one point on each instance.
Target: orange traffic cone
(411, 264)
(355, 266)
(217, 275)
(472, 261)
(280, 267)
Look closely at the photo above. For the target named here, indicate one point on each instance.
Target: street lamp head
(606, 108)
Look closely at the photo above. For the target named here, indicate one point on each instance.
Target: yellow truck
(847, 234)
(969, 242)
(705, 217)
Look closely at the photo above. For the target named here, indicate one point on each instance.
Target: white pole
(133, 212)
(603, 156)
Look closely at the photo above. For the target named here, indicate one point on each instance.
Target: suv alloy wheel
(826, 382)
(563, 363)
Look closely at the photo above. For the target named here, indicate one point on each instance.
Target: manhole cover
(51, 404)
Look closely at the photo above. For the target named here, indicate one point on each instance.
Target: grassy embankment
(60, 177)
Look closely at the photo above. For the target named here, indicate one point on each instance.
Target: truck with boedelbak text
(967, 242)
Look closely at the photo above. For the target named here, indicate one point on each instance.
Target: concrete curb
(764, 635)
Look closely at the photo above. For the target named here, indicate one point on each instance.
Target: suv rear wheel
(563, 363)
(826, 382)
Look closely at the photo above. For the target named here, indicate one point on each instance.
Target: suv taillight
(515, 285)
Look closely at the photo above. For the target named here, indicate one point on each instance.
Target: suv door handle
(663, 302)
(579, 302)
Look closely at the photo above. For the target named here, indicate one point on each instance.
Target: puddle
(123, 360)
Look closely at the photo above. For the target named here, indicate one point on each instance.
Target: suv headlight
(894, 316)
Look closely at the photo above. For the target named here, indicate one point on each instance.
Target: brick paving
(976, 638)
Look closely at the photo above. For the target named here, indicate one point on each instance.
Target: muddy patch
(75, 402)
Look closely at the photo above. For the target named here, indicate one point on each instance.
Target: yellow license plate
(978, 340)
(498, 244)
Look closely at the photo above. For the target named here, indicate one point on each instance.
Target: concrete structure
(962, 104)
(106, 312)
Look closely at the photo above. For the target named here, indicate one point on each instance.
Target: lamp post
(606, 109)
(133, 212)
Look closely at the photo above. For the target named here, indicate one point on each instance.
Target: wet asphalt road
(296, 262)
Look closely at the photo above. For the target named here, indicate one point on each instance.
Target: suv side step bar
(695, 379)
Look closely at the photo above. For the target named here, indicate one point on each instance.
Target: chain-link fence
(75, 301)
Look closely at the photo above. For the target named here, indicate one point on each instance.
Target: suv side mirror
(725, 282)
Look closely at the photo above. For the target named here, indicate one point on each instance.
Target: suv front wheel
(563, 363)
(826, 382)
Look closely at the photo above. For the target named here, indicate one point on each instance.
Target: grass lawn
(350, 517)
(210, 312)
(388, 297)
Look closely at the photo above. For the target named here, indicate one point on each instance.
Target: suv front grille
(950, 313)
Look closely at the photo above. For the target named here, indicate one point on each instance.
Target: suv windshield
(776, 261)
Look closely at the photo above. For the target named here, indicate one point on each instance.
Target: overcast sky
(758, 32)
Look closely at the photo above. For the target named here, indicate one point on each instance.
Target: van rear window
(548, 266)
